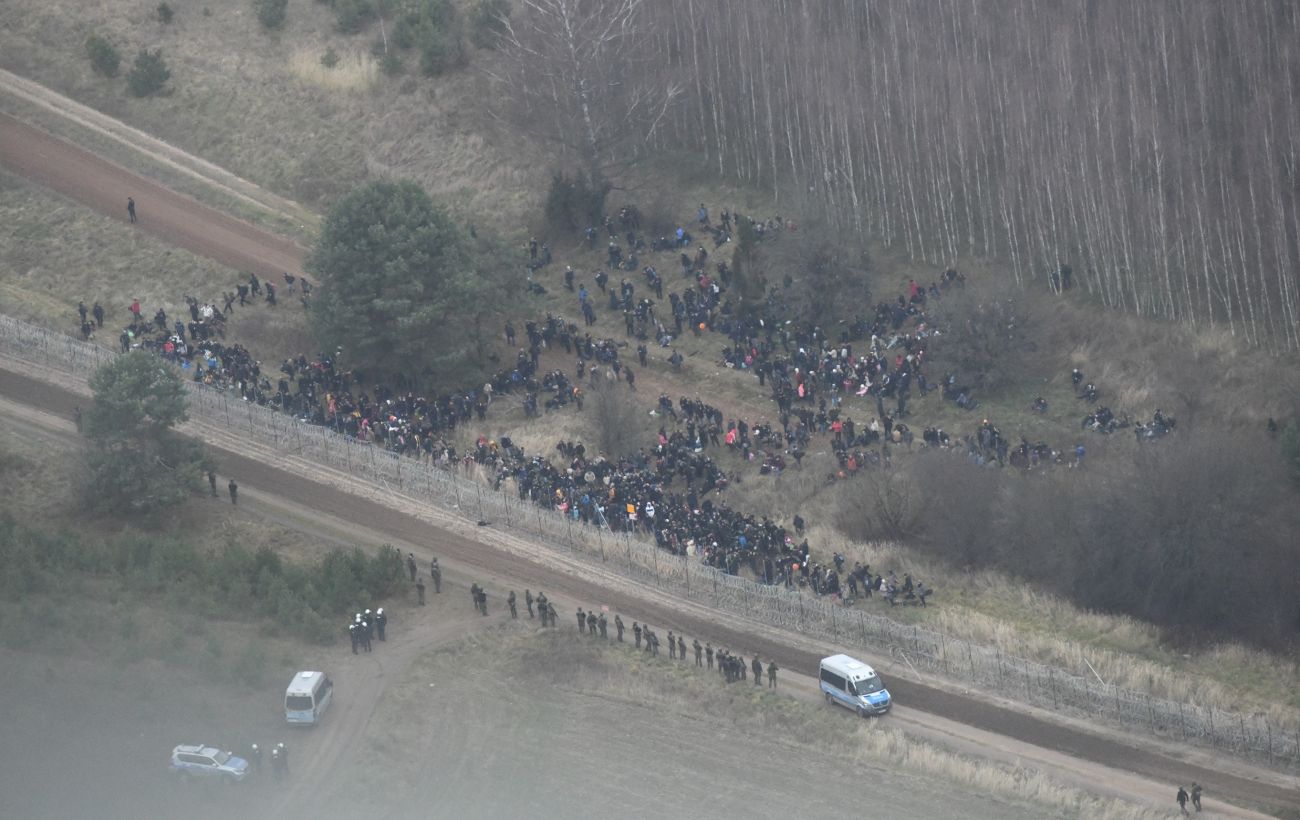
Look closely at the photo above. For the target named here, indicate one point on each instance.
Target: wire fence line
(638, 558)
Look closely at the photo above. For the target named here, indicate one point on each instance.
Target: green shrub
(165, 13)
(488, 22)
(351, 16)
(330, 58)
(1291, 447)
(148, 74)
(307, 600)
(271, 13)
(433, 28)
(573, 203)
(104, 58)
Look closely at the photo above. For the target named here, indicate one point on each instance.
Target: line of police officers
(732, 667)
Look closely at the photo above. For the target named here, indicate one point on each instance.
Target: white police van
(854, 685)
(307, 697)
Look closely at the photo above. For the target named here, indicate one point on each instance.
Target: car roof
(303, 682)
(195, 749)
(854, 668)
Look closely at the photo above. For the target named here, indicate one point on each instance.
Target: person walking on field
(1182, 800)
(130, 209)
(234, 492)
(1196, 795)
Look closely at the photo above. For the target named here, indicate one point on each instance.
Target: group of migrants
(667, 489)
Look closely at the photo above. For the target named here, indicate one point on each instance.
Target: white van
(854, 685)
(307, 697)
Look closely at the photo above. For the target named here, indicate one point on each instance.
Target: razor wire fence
(640, 559)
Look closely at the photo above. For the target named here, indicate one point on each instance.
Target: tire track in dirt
(1005, 719)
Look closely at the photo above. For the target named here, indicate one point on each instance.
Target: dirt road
(91, 180)
(1026, 729)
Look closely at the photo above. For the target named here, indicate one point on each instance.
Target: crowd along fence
(869, 634)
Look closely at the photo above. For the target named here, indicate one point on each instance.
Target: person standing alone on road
(130, 209)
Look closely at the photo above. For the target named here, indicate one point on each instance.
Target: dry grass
(354, 72)
(262, 105)
(992, 609)
(618, 673)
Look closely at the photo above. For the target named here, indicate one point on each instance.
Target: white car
(208, 762)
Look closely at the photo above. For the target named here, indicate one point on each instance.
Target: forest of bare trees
(1152, 147)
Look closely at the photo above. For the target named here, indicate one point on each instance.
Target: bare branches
(1155, 151)
(583, 74)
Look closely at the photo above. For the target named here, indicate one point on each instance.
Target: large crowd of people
(671, 488)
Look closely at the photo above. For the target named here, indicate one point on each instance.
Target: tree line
(1195, 535)
(1152, 148)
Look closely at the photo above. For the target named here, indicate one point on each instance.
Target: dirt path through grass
(154, 149)
(93, 181)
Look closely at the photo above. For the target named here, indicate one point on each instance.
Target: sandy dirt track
(1095, 753)
(91, 180)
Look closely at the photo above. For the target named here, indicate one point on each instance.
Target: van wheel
(828, 697)
(862, 713)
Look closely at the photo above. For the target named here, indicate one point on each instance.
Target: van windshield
(866, 686)
(221, 758)
(298, 703)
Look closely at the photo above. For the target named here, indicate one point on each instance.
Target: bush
(391, 64)
(104, 58)
(1291, 448)
(302, 599)
(1195, 535)
(488, 22)
(983, 336)
(440, 52)
(573, 204)
(271, 13)
(618, 421)
(330, 58)
(165, 13)
(351, 16)
(148, 74)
